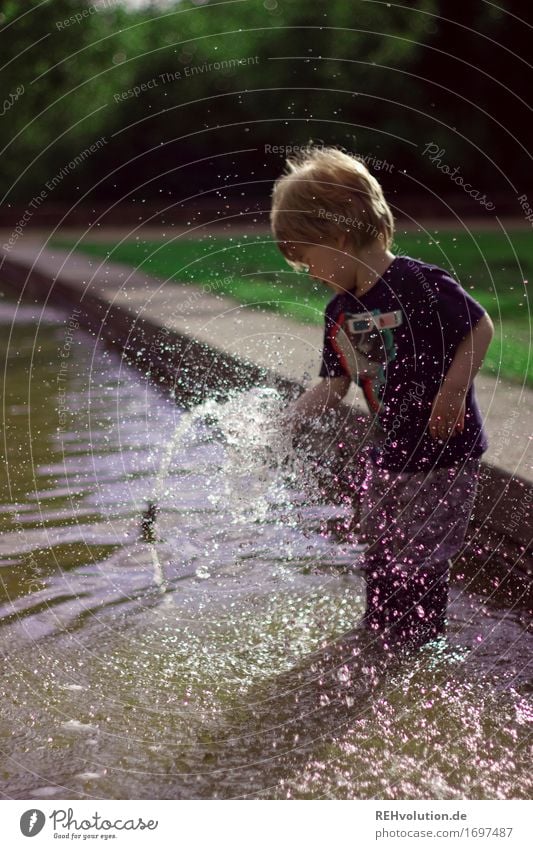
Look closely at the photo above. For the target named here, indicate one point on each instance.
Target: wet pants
(413, 524)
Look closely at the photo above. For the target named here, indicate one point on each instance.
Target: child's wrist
(454, 385)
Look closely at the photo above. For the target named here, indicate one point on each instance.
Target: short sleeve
(331, 363)
(458, 312)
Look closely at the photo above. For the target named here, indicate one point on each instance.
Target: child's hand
(447, 414)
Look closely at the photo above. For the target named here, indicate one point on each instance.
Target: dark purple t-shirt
(397, 342)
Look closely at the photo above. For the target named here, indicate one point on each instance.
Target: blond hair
(323, 193)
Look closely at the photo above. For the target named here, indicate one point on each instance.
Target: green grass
(251, 270)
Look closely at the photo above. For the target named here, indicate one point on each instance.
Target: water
(219, 660)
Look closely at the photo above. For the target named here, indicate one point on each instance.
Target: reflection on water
(220, 660)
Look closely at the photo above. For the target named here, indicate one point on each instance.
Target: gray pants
(413, 524)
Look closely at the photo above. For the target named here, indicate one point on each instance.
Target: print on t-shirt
(365, 344)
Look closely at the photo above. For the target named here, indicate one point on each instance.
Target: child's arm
(448, 410)
(326, 395)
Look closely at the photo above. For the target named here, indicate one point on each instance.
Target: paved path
(237, 224)
(284, 346)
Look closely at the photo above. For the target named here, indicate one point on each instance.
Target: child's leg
(408, 608)
(413, 524)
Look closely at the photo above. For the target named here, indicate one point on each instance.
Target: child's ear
(343, 241)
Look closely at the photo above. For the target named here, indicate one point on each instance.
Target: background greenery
(383, 79)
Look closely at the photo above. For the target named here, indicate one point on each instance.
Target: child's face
(328, 264)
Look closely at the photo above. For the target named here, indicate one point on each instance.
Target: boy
(413, 340)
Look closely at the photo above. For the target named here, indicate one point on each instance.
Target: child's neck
(359, 273)
(369, 266)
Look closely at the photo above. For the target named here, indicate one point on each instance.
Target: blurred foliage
(67, 75)
(379, 78)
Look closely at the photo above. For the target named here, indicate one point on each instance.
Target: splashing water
(246, 481)
(254, 482)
